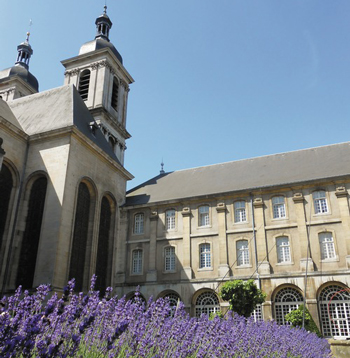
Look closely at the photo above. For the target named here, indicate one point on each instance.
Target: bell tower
(103, 83)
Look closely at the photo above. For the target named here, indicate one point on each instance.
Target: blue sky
(215, 80)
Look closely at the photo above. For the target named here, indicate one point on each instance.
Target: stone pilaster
(186, 273)
(152, 268)
(223, 259)
(122, 248)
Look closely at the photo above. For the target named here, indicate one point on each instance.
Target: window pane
(169, 253)
(242, 252)
(204, 215)
(320, 202)
(279, 209)
(240, 213)
(283, 249)
(137, 261)
(170, 219)
(326, 246)
(138, 225)
(205, 256)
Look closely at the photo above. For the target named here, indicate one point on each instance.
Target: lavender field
(31, 325)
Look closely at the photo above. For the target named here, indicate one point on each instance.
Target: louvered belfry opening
(104, 250)
(115, 93)
(31, 236)
(84, 82)
(80, 237)
(6, 183)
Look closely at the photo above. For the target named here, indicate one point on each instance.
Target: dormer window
(115, 93)
(84, 83)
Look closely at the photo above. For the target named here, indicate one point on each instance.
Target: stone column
(223, 259)
(305, 259)
(152, 269)
(2, 153)
(342, 195)
(259, 219)
(186, 273)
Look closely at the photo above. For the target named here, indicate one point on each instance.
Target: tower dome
(103, 26)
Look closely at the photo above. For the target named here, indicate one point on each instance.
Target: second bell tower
(103, 83)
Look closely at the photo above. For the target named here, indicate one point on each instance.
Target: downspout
(255, 245)
(8, 259)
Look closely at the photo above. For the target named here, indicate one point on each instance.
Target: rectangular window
(279, 208)
(169, 254)
(170, 219)
(320, 202)
(205, 256)
(327, 246)
(204, 215)
(242, 252)
(240, 213)
(283, 249)
(137, 262)
(138, 223)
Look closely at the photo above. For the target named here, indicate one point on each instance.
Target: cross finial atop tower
(162, 167)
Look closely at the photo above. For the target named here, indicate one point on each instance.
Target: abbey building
(282, 219)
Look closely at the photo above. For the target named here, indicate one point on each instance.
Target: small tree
(243, 296)
(295, 318)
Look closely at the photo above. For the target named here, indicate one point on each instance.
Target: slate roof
(329, 161)
(6, 113)
(55, 109)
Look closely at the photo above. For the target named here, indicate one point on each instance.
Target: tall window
(104, 249)
(80, 236)
(169, 256)
(326, 245)
(138, 223)
(242, 249)
(204, 256)
(203, 215)
(137, 261)
(170, 219)
(334, 308)
(115, 93)
(279, 208)
(31, 236)
(6, 183)
(84, 82)
(207, 303)
(240, 213)
(286, 301)
(320, 202)
(283, 249)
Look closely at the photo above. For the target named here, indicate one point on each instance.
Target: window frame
(171, 221)
(205, 256)
(320, 202)
(277, 213)
(334, 257)
(139, 225)
(241, 211)
(204, 217)
(169, 258)
(243, 260)
(138, 261)
(279, 260)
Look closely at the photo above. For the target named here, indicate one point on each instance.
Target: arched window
(204, 256)
(203, 215)
(258, 313)
(169, 258)
(105, 247)
(115, 94)
(207, 303)
(31, 235)
(279, 207)
(287, 300)
(84, 82)
(137, 262)
(283, 249)
(80, 237)
(138, 223)
(240, 212)
(320, 202)
(242, 248)
(174, 300)
(326, 246)
(334, 309)
(6, 183)
(170, 219)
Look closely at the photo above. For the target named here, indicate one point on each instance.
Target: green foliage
(295, 318)
(243, 296)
